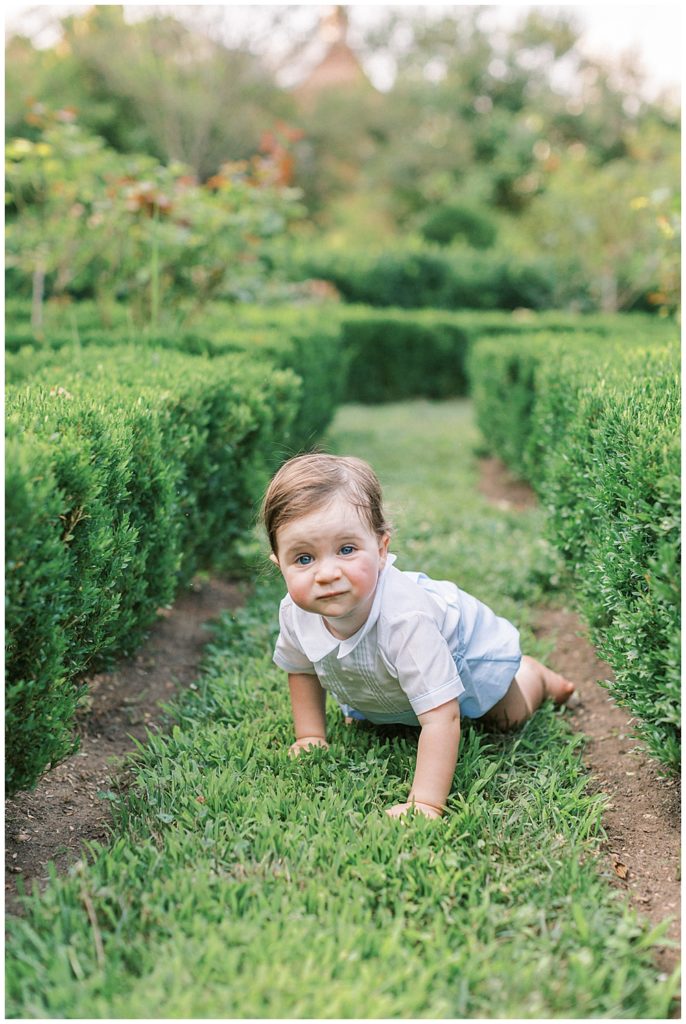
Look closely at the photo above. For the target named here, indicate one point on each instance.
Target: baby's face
(331, 560)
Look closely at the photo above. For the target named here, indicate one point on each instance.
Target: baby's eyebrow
(300, 543)
(297, 545)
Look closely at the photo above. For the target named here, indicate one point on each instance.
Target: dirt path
(642, 820)
(641, 855)
(51, 822)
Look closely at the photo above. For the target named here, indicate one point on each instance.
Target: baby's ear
(274, 559)
(384, 541)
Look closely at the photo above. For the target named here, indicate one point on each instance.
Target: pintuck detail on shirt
(424, 643)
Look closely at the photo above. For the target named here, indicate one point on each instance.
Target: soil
(641, 852)
(504, 490)
(640, 855)
(69, 805)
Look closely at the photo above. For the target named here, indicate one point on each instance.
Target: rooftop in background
(337, 64)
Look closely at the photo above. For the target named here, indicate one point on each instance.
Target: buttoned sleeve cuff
(441, 695)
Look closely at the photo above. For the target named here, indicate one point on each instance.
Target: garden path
(70, 804)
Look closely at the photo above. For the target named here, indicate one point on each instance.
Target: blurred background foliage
(148, 160)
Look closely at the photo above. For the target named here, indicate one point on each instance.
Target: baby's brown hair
(307, 482)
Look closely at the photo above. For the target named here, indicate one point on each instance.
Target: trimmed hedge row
(353, 352)
(597, 432)
(293, 339)
(397, 354)
(431, 277)
(125, 474)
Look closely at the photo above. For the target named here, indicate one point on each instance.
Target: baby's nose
(328, 569)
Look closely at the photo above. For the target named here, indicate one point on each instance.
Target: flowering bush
(85, 220)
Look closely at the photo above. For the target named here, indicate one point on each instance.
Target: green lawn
(240, 883)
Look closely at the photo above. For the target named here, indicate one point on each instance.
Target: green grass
(240, 883)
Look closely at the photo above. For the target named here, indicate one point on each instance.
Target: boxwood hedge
(357, 352)
(126, 473)
(429, 276)
(302, 340)
(596, 429)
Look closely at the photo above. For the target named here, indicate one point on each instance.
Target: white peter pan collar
(316, 640)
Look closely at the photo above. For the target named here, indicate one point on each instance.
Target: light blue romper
(487, 653)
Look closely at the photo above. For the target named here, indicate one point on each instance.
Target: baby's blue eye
(347, 549)
(303, 559)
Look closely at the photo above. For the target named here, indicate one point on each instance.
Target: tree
(472, 108)
(613, 230)
(154, 86)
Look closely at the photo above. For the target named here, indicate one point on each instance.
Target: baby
(389, 646)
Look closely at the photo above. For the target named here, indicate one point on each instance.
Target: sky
(653, 34)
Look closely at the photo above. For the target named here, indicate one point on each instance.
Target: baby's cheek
(365, 578)
(298, 590)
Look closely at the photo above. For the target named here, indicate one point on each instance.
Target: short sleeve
(288, 654)
(426, 671)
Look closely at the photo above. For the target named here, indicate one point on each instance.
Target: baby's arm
(308, 701)
(436, 759)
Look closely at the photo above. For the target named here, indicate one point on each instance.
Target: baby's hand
(428, 810)
(305, 743)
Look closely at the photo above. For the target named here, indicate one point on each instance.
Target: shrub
(392, 356)
(620, 449)
(306, 341)
(364, 353)
(449, 221)
(501, 375)
(105, 504)
(396, 354)
(84, 220)
(596, 429)
(430, 277)
(119, 493)
(40, 699)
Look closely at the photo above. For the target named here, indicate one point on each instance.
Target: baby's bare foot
(557, 687)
